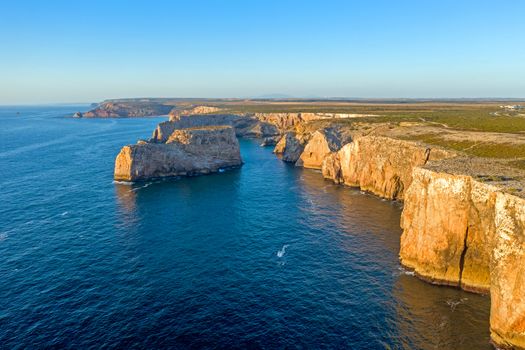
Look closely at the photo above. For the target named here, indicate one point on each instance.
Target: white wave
(282, 251)
(3, 236)
(123, 182)
(454, 303)
(64, 213)
(403, 271)
(141, 187)
(222, 170)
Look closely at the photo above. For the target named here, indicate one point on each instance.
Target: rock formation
(378, 164)
(463, 220)
(244, 125)
(176, 113)
(270, 141)
(462, 227)
(507, 290)
(128, 109)
(290, 147)
(186, 152)
(321, 144)
(77, 115)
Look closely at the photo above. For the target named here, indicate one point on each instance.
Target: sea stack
(186, 152)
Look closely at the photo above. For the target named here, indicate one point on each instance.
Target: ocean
(266, 256)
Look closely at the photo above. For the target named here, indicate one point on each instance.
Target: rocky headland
(463, 218)
(186, 152)
(126, 109)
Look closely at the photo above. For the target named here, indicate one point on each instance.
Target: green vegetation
(486, 117)
(473, 148)
(519, 164)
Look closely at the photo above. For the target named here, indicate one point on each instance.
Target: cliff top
(494, 172)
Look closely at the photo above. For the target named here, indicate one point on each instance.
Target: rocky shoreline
(462, 225)
(187, 152)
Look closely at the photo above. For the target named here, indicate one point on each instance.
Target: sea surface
(266, 256)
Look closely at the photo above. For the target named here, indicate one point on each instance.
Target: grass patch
(478, 149)
(472, 117)
(518, 164)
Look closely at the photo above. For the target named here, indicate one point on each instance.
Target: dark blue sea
(267, 256)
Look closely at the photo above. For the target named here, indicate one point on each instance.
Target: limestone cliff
(290, 146)
(443, 215)
(462, 227)
(128, 109)
(176, 113)
(186, 152)
(244, 126)
(285, 121)
(321, 144)
(378, 164)
(507, 291)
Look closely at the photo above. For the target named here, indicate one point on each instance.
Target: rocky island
(464, 206)
(186, 152)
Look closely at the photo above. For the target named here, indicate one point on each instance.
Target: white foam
(454, 303)
(64, 213)
(403, 271)
(141, 187)
(129, 183)
(282, 251)
(221, 170)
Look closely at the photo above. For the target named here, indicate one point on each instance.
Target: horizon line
(283, 99)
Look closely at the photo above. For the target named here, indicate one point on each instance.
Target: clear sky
(87, 51)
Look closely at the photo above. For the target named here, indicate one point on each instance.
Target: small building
(512, 107)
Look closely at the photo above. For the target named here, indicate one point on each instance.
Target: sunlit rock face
(321, 144)
(244, 126)
(290, 147)
(377, 164)
(507, 315)
(176, 113)
(285, 121)
(187, 152)
(460, 229)
(447, 221)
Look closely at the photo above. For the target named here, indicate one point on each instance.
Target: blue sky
(85, 51)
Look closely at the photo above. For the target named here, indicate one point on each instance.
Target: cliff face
(186, 152)
(447, 220)
(244, 126)
(463, 229)
(176, 113)
(321, 144)
(507, 292)
(112, 109)
(285, 121)
(290, 147)
(378, 164)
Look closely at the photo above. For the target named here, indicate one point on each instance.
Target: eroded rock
(290, 147)
(186, 152)
(378, 164)
(461, 227)
(321, 144)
